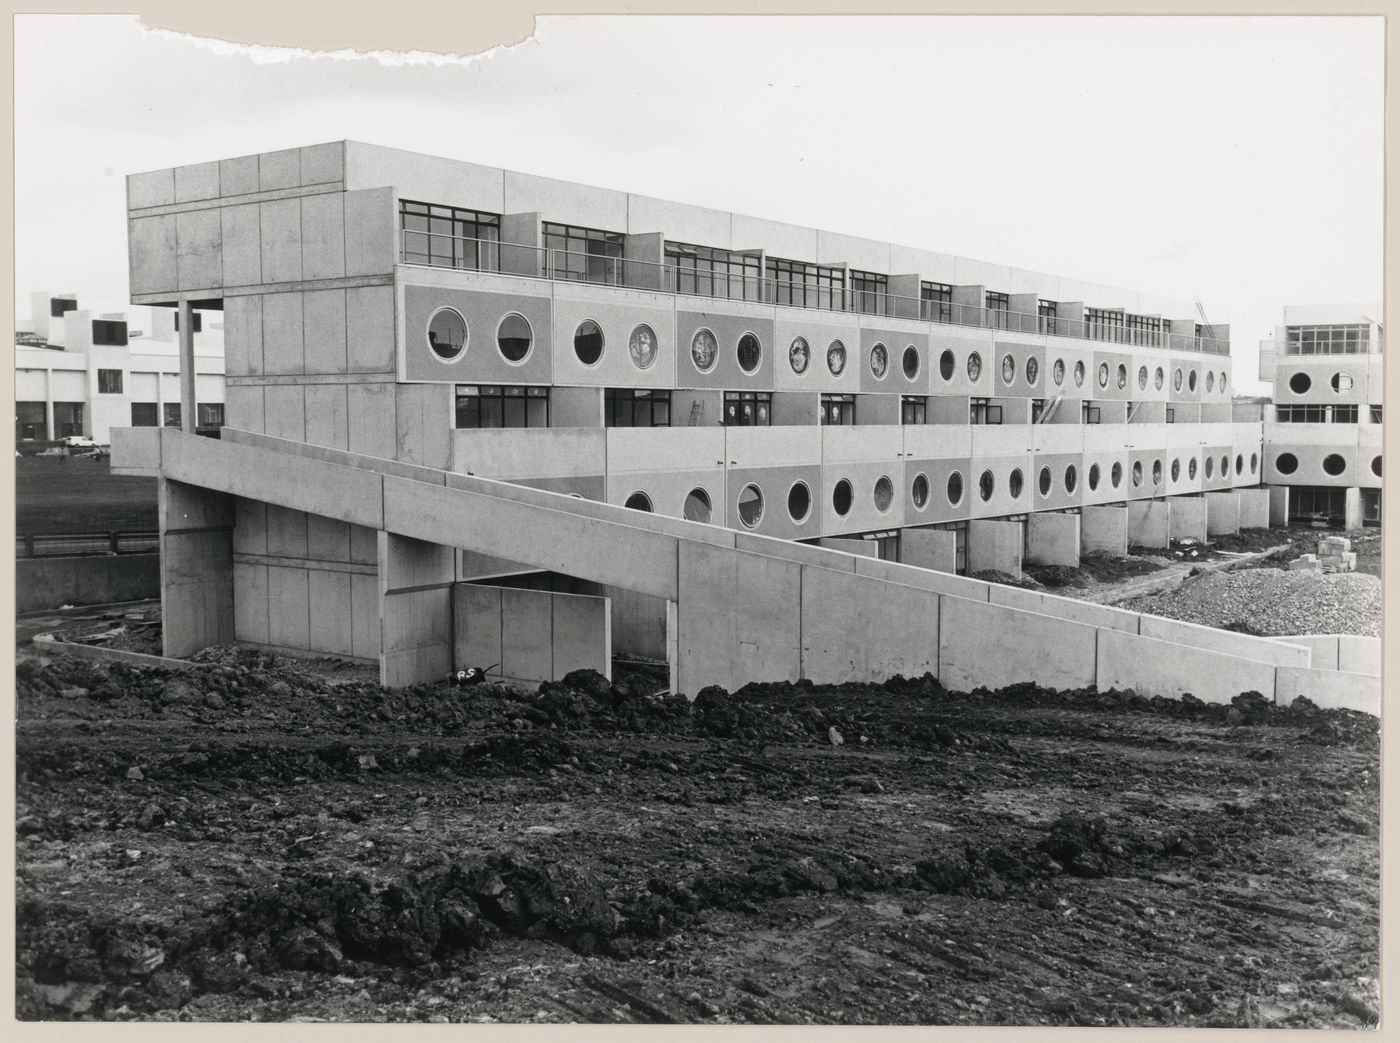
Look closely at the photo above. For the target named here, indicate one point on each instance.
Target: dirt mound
(1274, 602)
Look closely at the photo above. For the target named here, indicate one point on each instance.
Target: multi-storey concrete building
(80, 373)
(1322, 434)
(440, 323)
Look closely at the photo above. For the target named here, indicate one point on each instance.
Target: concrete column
(1103, 530)
(196, 567)
(1186, 518)
(48, 404)
(1222, 513)
(1353, 508)
(648, 250)
(1052, 539)
(935, 549)
(994, 545)
(1278, 506)
(187, 399)
(1149, 523)
(1254, 508)
(415, 610)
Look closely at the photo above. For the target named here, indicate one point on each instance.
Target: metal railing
(443, 250)
(67, 544)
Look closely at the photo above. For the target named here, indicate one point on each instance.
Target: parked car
(78, 442)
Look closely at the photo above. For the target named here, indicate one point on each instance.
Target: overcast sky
(1238, 160)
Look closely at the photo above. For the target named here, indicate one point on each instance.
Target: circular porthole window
(1115, 476)
(799, 502)
(704, 350)
(1057, 372)
(1191, 381)
(918, 491)
(1079, 374)
(749, 353)
(1191, 469)
(1103, 374)
(986, 485)
(1015, 483)
(1176, 379)
(1176, 469)
(1158, 379)
(1225, 467)
(1239, 463)
(1210, 381)
(588, 342)
(1254, 463)
(884, 493)
(799, 355)
(836, 358)
(955, 489)
(946, 364)
(879, 361)
(1032, 370)
(750, 505)
(1137, 473)
(1156, 472)
(1094, 473)
(1210, 468)
(447, 334)
(1285, 463)
(1122, 376)
(1375, 466)
(911, 362)
(1071, 478)
(1222, 381)
(1300, 383)
(1045, 481)
(841, 497)
(1008, 369)
(1142, 378)
(974, 367)
(1342, 382)
(641, 346)
(1334, 464)
(514, 337)
(638, 502)
(697, 506)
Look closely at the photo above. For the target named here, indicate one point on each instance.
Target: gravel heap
(1273, 602)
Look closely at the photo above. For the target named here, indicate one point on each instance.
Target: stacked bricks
(1334, 554)
(1305, 563)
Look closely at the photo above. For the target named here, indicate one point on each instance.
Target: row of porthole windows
(751, 503)
(1333, 464)
(1301, 383)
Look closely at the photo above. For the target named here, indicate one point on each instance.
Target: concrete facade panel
(1164, 668)
(1149, 523)
(243, 335)
(327, 539)
(279, 169)
(995, 546)
(993, 646)
(929, 549)
(532, 452)
(423, 414)
(327, 415)
(323, 331)
(243, 407)
(284, 411)
(322, 164)
(821, 331)
(1329, 689)
(707, 635)
(323, 236)
(365, 631)
(372, 424)
(280, 223)
(241, 243)
(1254, 508)
(152, 251)
(477, 625)
(1228, 642)
(940, 506)
(150, 188)
(199, 258)
(680, 222)
(527, 634)
(776, 486)
(1187, 518)
(369, 329)
(1056, 469)
(617, 317)
(250, 620)
(196, 181)
(483, 312)
(238, 176)
(286, 532)
(1072, 609)
(283, 333)
(1359, 655)
(288, 607)
(728, 322)
(564, 201)
(331, 623)
(1052, 539)
(894, 341)
(1222, 513)
(425, 178)
(371, 238)
(898, 635)
(582, 634)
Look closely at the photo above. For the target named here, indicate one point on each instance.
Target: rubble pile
(1274, 602)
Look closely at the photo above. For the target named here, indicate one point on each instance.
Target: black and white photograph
(773, 520)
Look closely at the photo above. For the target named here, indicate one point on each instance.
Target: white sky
(1238, 160)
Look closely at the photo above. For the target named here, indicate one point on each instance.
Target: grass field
(53, 496)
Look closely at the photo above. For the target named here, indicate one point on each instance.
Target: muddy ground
(250, 842)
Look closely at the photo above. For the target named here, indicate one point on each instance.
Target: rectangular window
(886, 544)
(1171, 415)
(67, 419)
(1090, 413)
(449, 237)
(981, 411)
(1301, 414)
(870, 293)
(31, 422)
(631, 407)
(59, 306)
(1370, 506)
(1375, 414)
(502, 405)
(1328, 340)
(198, 322)
(1311, 502)
(804, 285)
(1037, 409)
(1144, 330)
(1047, 311)
(936, 301)
(748, 408)
(145, 414)
(110, 332)
(172, 414)
(709, 272)
(998, 310)
(913, 409)
(583, 254)
(109, 382)
(1106, 324)
(209, 414)
(839, 409)
(1345, 414)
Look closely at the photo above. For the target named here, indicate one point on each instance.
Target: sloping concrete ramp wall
(747, 607)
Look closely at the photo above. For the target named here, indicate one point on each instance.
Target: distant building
(1322, 435)
(82, 373)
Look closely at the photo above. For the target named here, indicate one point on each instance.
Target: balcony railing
(441, 250)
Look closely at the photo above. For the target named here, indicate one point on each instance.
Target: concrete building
(83, 373)
(458, 396)
(1322, 433)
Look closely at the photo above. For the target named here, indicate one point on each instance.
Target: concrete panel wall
(898, 635)
(994, 545)
(1330, 689)
(1104, 530)
(1064, 608)
(1148, 523)
(1186, 518)
(1359, 655)
(1254, 508)
(1244, 646)
(935, 549)
(1052, 539)
(1164, 668)
(44, 583)
(1222, 513)
(994, 645)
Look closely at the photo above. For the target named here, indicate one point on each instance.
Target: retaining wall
(98, 579)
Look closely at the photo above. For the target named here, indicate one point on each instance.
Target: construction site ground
(249, 841)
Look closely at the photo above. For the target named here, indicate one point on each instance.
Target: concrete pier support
(1255, 507)
(1222, 513)
(1103, 530)
(994, 545)
(1149, 523)
(935, 549)
(1186, 518)
(1052, 539)
(415, 610)
(1278, 506)
(1353, 508)
(196, 567)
